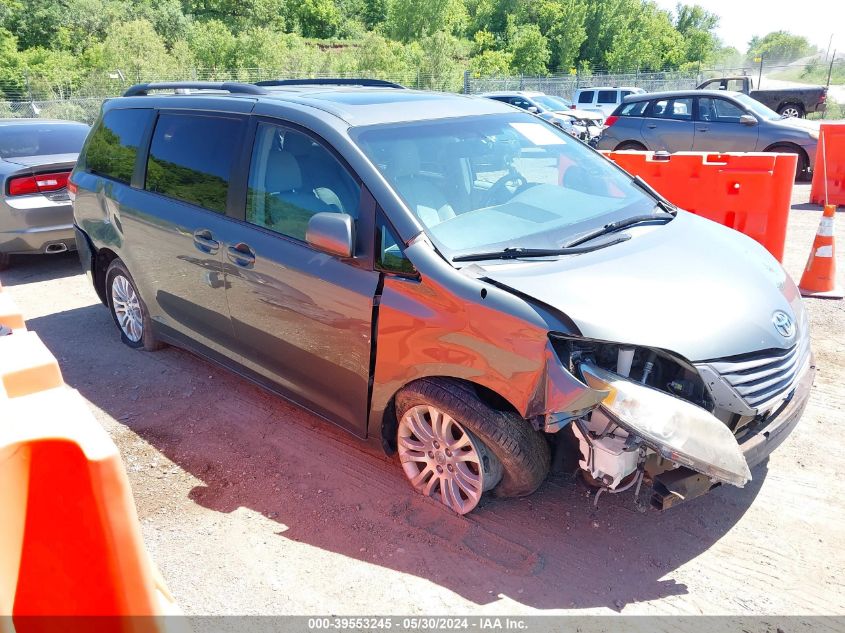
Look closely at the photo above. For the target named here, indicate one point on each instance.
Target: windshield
(500, 181)
(757, 108)
(41, 139)
(552, 103)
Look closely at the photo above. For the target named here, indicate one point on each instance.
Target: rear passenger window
(607, 96)
(633, 109)
(191, 158)
(672, 109)
(113, 146)
(292, 177)
(586, 97)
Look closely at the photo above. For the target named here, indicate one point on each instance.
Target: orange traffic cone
(819, 278)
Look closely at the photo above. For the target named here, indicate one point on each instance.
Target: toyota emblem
(783, 324)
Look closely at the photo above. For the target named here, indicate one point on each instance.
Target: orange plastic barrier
(749, 192)
(10, 314)
(26, 365)
(70, 542)
(830, 162)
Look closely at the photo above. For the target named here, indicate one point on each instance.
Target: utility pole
(830, 68)
(760, 74)
(829, 42)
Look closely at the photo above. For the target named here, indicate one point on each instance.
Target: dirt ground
(252, 506)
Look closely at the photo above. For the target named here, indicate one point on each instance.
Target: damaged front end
(653, 423)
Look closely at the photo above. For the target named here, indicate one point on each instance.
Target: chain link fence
(566, 85)
(56, 96)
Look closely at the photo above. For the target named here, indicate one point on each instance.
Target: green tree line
(53, 45)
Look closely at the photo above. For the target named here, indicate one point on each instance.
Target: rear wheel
(454, 447)
(792, 110)
(630, 145)
(128, 310)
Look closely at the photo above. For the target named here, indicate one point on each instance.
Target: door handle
(205, 242)
(651, 126)
(241, 255)
(702, 129)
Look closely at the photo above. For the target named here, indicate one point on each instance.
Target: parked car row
(586, 125)
(692, 120)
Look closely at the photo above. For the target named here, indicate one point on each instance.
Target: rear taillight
(573, 107)
(610, 120)
(72, 189)
(40, 183)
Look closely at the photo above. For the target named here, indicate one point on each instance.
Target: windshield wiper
(519, 252)
(667, 206)
(612, 227)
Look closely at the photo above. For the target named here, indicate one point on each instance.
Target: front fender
(448, 324)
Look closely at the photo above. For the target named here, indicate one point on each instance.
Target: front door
(718, 129)
(302, 318)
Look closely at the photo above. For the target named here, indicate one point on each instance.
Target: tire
(802, 169)
(630, 145)
(522, 452)
(118, 283)
(792, 110)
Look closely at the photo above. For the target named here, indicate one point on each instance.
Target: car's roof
(647, 96)
(357, 106)
(32, 121)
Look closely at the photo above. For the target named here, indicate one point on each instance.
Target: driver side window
(291, 178)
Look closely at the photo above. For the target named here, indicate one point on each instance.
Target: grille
(762, 377)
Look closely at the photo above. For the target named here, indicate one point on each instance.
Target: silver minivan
(456, 280)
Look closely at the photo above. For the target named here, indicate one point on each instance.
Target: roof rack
(232, 87)
(334, 81)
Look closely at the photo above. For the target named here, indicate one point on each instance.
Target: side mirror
(332, 233)
(748, 119)
(533, 109)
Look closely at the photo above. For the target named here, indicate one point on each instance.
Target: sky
(739, 20)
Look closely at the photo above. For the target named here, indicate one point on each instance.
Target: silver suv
(708, 121)
(454, 279)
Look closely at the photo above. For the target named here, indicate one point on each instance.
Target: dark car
(708, 121)
(795, 101)
(447, 276)
(36, 157)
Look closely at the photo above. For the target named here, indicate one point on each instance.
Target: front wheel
(454, 447)
(128, 310)
(630, 145)
(802, 169)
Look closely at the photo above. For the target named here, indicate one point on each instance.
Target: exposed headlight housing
(676, 429)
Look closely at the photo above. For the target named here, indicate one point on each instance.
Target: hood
(794, 123)
(691, 286)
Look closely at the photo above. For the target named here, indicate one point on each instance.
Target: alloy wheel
(791, 112)
(127, 308)
(445, 461)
